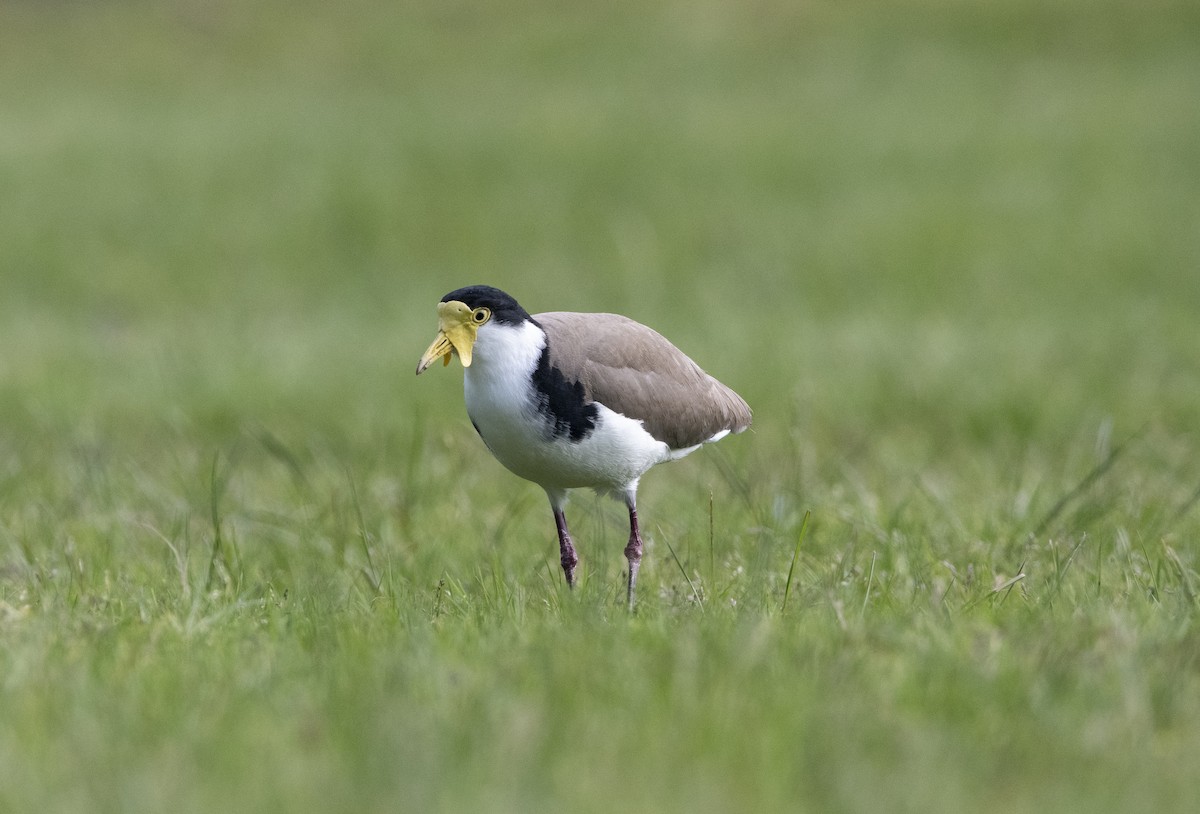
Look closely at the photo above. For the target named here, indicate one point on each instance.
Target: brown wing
(635, 371)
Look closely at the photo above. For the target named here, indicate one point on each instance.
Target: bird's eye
(480, 315)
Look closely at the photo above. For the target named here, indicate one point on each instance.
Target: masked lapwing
(568, 400)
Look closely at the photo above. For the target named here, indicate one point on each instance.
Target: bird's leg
(633, 553)
(566, 551)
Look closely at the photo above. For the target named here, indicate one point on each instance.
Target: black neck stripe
(562, 402)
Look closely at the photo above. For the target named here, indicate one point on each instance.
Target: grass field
(949, 252)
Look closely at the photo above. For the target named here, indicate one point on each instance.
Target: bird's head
(461, 314)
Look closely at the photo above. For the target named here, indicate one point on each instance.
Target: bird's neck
(507, 351)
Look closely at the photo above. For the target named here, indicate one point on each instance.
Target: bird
(570, 400)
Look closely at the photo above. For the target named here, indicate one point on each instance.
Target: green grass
(949, 252)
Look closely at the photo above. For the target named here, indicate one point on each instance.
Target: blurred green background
(197, 193)
(948, 251)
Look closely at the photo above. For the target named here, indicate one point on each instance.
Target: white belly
(613, 456)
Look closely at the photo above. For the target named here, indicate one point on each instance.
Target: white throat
(496, 387)
(506, 351)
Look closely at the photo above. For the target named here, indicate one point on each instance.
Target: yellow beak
(456, 334)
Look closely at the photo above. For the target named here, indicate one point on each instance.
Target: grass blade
(870, 580)
(1091, 477)
(216, 487)
(370, 573)
(787, 588)
(692, 585)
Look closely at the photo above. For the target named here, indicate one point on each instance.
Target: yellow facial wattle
(458, 326)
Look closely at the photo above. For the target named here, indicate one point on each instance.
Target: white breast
(503, 404)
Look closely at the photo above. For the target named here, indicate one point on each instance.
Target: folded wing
(635, 371)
